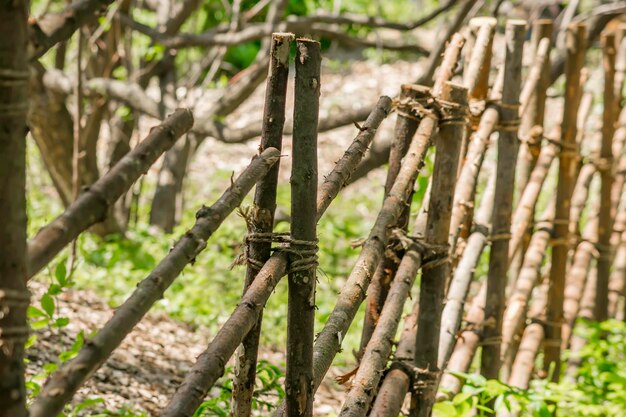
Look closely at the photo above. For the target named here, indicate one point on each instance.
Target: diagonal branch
(58, 27)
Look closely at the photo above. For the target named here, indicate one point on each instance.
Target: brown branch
(434, 279)
(93, 204)
(464, 273)
(301, 304)
(503, 204)
(256, 31)
(609, 118)
(262, 220)
(210, 364)
(377, 22)
(64, 383)
(58, 27)
(576, 46)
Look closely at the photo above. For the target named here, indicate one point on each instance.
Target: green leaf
(444, 409)
(61, 322)
(31, 341)
(47, 303)
(54, 289)
(60, 273)
(33, 312)
(39, 324)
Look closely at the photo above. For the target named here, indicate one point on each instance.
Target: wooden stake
(436, 275)
(262, 218)
(301, 310)
(406, 125)
(605, 166)
(576, 46)
(501, 224)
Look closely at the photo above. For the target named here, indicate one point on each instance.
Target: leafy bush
(597, 389)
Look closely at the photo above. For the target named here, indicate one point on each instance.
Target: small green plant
(268, 393)
(598, 387)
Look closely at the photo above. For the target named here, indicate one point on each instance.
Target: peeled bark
(518, 301)
(464, 274)
(468, 177)
(521, 371)
(576, 46)
(466, 345)
(392, 391)
(503, 204)
(524, 212)
(93, 205)
(577, 275)
(262, 219)
(14, 296)
(377, 351)
(535, 107)
(586, 312)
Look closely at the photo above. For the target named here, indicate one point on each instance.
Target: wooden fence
(525, 303)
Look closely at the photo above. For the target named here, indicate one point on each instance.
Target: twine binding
(307, 253)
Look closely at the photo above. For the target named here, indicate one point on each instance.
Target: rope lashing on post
(307, 252)
(500, 236)
(432, 255)
(414, 108)
(419, 378)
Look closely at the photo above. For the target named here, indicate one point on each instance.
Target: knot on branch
(303, 252)
(432, 254)
(420, 379)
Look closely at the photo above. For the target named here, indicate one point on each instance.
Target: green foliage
(598, 388)
(267, 394)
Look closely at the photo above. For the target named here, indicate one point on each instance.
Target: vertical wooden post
(575, 44)
(436, 274)
(503, 202)
(300, 316)
(262, 216)
(605, 166)
(406, 125)
(14, 296)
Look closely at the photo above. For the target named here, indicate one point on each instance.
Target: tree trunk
(14, 296)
